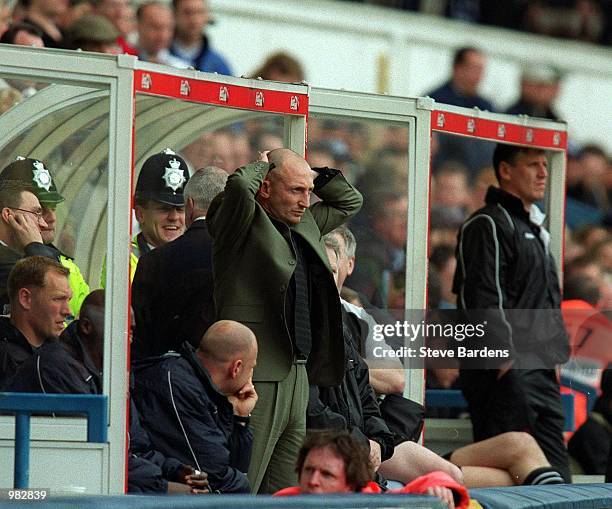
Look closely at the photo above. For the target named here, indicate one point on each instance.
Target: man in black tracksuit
(506, 279)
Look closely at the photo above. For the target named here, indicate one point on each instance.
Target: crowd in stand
(584, 20)
(191, 428)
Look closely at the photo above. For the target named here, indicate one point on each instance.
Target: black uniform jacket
(351, 405)
(172, 293)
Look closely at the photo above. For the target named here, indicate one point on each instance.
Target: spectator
(602, 252)
(442, 259)
(504, 264)
(281, 66)
(462, 90)
(5, 15)
(39, 293)
(155, 28)
(172, 293)
(121, 14)
(589, 189)
(209, 392)
(334, 462)
(213, 149)
(591, 442)
(539, 90)
(46, 15)
(23, 34)
(382, 251)
(159, 205)
(191, 44)
(9, 97)
(33, 174)
(93, 33)
(21, 222)
(263, 219)
(74, 10)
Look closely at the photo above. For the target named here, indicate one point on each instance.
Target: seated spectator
(5, 16)
(93, 33)
(443, 260)
(591, 442)
(121, 14)
(382, 252)
(281, 66)
(197, 404)
(46, 16)
(588, 188)
(191, 44)
(21, 222)
(23, 34)
(539, 90)
(9, 97)
(39, 293)
(335, 462)
(155, 28)
(213, 149)
(462, 90)
(450, 188)
(602, 252)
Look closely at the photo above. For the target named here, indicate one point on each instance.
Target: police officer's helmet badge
(42, 177)
(174, 176)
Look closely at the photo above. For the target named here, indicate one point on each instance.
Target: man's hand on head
(244, 399)
(263, 156)
(25, 229)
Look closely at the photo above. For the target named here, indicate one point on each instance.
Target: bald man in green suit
(272, 274)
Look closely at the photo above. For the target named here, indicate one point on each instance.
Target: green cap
(33, 174)
(92, 28)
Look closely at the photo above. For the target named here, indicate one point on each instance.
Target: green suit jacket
(253, 264)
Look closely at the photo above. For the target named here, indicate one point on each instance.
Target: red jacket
(417, 487)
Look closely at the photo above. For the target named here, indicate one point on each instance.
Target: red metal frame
(221, 94)
(498, 131)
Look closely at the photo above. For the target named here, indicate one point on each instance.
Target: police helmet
(34, 174)
(162, 179)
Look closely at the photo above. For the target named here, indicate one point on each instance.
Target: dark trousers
(522, 400)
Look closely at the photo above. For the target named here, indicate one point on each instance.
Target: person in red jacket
(333, 461)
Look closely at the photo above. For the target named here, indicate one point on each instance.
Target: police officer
(35, 175)
(159, 205)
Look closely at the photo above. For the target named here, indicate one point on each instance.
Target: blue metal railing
(23, 405)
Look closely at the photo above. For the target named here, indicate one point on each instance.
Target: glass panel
(373, 156)
(193, 136)
(63, 132)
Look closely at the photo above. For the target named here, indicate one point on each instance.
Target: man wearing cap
(159, 205)
(34, 176)
(93, 33)
(539, 89)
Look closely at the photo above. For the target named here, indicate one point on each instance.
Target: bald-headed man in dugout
(272, 275)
